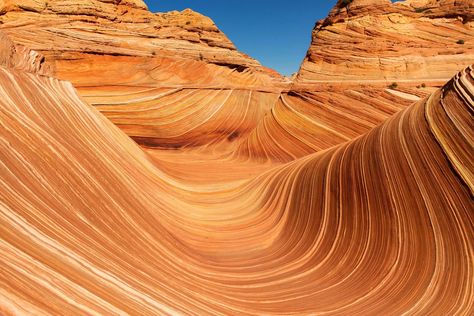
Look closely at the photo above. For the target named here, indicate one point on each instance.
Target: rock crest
(380, 40)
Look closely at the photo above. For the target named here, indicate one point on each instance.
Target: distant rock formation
(378, 40)
(121, 42)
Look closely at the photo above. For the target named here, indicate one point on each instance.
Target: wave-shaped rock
(110, 47)
(137, 67)
(367, 61)
(338, 197)
(381, 224)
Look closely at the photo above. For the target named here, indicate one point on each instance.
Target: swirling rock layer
(111, 49)
(245, 195)
(381, 224)
(173, 80)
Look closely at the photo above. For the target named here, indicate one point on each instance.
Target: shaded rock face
(378, 40)
(22, 58)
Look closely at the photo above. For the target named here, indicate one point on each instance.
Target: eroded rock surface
(91, 41)
(246, 194)
(382, 224)
(378, 40)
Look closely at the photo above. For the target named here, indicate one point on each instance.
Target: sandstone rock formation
(276, 198)
(107, 48)
(138, 67)
(21, 57)
(378, 40)
(363, 47)
(106, 40)
(382, 224)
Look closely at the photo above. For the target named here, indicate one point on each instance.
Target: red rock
(90, 225)
(337, 197)
(378, 40)
(124, 33)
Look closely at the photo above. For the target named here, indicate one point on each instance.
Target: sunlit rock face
(173, 80)
(127, 60)
(367, 61)
(121, 42)
(378, 40)
(90, 225)
(156, 182)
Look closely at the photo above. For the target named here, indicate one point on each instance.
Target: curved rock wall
(381, 224)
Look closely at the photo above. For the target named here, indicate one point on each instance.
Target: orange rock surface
(378, 40)
(124, 59)
(138, 177)
(122, 43)
(173, 80)
(367, 61)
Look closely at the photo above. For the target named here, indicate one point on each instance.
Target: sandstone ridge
(380, 40)
(68, 5)
(122, 33)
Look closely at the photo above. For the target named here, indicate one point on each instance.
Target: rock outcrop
(173, 175)
(382, 224)
(368, 60)
(378, 40)
(160, 76)
(118, 50)
(22, 58)
(99, 42)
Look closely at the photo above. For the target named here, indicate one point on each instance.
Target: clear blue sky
(275, 32)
